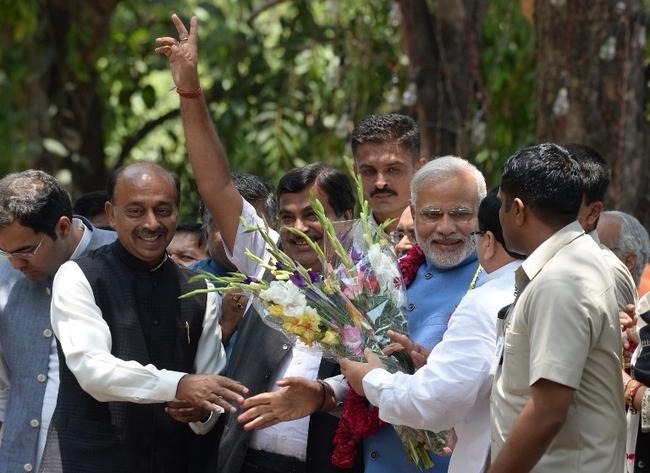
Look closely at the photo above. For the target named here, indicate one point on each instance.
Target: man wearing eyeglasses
(445, 196)
(404, 235)
(453, 387)
(38, 233)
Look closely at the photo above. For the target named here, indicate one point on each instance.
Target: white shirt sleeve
(86, 343)
(440, 394)
(210, 354)
(5, 386)
(252, 241)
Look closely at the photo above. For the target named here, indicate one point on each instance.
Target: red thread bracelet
(189, 94)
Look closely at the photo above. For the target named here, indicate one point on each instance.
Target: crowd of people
(526, 322)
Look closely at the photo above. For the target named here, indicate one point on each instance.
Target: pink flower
(352, 339)
(352, 291)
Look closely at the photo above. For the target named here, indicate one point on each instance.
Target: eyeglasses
(24, 254)
(474, 235)
(458, 215)
(397, 235)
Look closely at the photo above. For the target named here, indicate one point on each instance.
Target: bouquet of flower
(347, 307)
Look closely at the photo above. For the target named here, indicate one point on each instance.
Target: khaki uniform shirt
(564, 327)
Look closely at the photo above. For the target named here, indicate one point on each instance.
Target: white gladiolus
(286, 294)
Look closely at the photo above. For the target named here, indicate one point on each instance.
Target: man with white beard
(445, 195)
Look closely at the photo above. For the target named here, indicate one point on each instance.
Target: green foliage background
(285, 86)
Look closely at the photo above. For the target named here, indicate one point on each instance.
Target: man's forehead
(145, 178)
(145, 193)
(16, 230)
(299, 202)
(391, 149)
(295, 207)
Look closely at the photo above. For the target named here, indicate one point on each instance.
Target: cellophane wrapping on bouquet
(343, 307)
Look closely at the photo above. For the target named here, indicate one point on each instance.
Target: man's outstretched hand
(209, 391)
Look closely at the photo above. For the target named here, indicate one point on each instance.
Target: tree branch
(262, 8)
(132, 140)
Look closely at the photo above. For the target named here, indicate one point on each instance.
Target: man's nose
(150, 220)
(380, 180)
(446, 225)
(301, 224)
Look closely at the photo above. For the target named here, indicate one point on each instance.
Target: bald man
(128, 342)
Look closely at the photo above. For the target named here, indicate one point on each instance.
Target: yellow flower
(281, 274)
(293, 325)
(276, 310)
(310, 322)
(331, 338)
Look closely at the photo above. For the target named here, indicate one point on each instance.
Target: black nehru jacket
(148, 324)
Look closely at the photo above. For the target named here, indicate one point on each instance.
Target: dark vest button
(155, 323)
(640, 464)
(428, 275)
(373, 455)
(411, 307)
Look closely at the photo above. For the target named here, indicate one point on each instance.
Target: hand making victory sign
(183, 56)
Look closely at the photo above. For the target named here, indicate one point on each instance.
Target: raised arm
(207, 155)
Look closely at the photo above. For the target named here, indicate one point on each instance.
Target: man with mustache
(453, 388)
(261, 356)
(38, 233)
(445, 195)
(128, 342)
(386, 150)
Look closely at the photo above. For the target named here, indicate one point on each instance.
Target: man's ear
(419, 163)
(489, 242)
(519, 209)
(109, 209)
(595, 209)
(630, 261)
(64, 226)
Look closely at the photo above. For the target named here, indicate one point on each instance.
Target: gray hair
(439, 169)
(35, 200)
(632, 239)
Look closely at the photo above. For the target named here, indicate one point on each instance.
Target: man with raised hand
(261, 357)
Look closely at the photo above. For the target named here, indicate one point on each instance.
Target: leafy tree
(286, 80)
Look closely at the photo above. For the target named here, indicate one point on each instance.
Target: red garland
(409, 264)
(359, 419)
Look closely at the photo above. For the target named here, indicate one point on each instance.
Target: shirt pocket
(516, 356)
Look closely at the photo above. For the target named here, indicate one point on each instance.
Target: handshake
(198, 395)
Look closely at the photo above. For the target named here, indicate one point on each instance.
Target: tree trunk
(593, 52)
(443, 56)
(69, 109)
